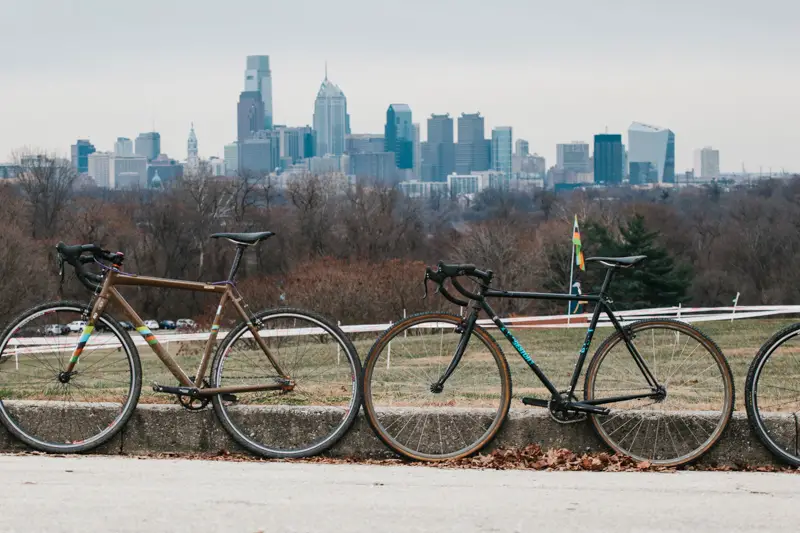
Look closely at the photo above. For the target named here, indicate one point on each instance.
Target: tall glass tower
(258, 78)
(608, 159)
(501, 149)
(330, 119)
(399, 135)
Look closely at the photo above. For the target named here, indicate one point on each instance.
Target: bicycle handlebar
(445, 271)
(76, 256)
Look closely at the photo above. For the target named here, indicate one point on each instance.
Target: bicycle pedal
(229, 397)
(535, 402)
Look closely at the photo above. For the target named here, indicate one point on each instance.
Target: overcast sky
(724, 73)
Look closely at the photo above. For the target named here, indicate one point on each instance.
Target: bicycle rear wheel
(55, 413)
(403, 364)
(689, 419)
(772, 394)
(320, 409)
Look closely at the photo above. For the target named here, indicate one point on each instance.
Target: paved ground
(89, 494)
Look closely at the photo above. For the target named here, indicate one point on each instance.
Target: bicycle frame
(108, 293)
(603, 305)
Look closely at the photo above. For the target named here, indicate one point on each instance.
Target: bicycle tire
(754, 415)
(696, 421)
(248, 437)
(12, 419)
(372, 412)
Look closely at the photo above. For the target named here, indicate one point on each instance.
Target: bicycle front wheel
(403, 408)
(683, 423)
(772, 394)
(58, 413)
(321, 361)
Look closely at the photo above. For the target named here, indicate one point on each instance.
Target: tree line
(357, 252)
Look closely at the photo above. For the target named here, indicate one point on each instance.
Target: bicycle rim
(680, 427)
(321, 407)
(420, 424)
(773, 394)
(50, 413)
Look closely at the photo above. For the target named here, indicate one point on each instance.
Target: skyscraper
(148, 145)
(417, 150)
(123, 147)
(258, 78)
(573, 157)
(80, 155)
(473, 149)
(501, 149)
(294, 142)
(706, 163)
(522, 148)
(608, 159)
(365, 143)
(653, 145)
(249, 115)
(439, 160)
(330, 119)
(192, 159)
(399, 135)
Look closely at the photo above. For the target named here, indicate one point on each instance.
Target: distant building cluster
(456, 156)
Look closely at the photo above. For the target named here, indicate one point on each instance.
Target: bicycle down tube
(108, 292)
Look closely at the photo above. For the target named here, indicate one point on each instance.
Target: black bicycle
(437, 385)
(772, 394)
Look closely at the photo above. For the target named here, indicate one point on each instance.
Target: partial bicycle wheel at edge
(689, 419)
(405, 413)
(320, 359)
(772, 394)
(49, 412)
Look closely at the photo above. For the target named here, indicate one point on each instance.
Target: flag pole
(571, 274)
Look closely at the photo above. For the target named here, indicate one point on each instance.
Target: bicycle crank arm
(587, 408)
(183, 391)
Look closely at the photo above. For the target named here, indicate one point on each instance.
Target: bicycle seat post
(236, 260)
(607, 281)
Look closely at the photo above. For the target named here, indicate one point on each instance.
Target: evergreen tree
(659, 281)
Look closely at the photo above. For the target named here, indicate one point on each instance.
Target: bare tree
(46, 181)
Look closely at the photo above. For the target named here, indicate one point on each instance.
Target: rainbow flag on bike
(576, 242)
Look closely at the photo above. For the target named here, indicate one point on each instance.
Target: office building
(501, 149)
(216, 166)
(521, 148)
(249, 115)
(98, 168)
(80, 155)
(260, 153)
(377, 166)
(331, 122)
(418, 150)
(168, 170)
(458, 185)
(126, 172)
(399, 135)
(258, 78)
(123, 147)
(192, 157)
(608, 159)
(365, 143)
(296, 143)
(573, 157)
(473, 150)
(439, 152)
(231, 155)
(706, 163)
(148, 145)
(654, 145)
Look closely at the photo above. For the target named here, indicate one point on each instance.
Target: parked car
(151, 324)
(186, 323)
(53, 329)
(167, 324)
(76, 326)
(125, 324)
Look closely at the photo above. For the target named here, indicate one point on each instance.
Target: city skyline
(727, 84)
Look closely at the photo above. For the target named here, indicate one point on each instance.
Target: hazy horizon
(718, 73)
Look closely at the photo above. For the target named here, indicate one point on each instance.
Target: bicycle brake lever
(425, 283)
(60, 263)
